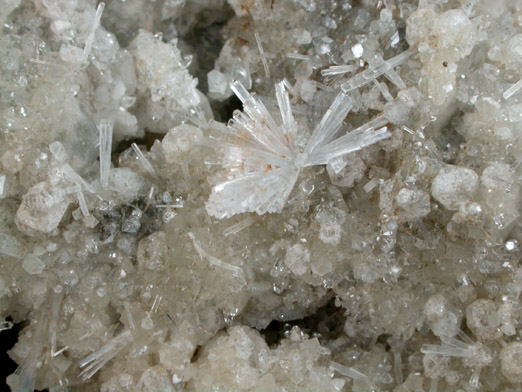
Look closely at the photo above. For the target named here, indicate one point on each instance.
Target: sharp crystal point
(240, 91)
(239, 226)
(92, 33)
(262, 54)
(348, 371)
(355, 140)
(143, 160)
(105, 129)
(283, 100)
(512, 90)
(92, 363)
(330, 123)
(338, 70)
(376, 70)
(83, 203)
(74, 177)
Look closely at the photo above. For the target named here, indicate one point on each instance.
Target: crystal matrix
(261, 195)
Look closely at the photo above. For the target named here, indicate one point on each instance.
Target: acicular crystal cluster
(261, 195)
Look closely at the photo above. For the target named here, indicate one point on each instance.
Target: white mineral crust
(261, 195)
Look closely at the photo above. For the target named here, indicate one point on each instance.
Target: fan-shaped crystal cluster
(261, 195)
(263, 159)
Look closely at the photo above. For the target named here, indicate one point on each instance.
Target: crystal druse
(261, 195)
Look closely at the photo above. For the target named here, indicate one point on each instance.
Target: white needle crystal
(262, 159)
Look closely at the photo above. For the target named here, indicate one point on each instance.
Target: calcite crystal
(261, 195)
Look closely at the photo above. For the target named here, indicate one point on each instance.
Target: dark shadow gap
(206, 39)
(223, 111)
(8, 339)
(147, 140)
(326, 323)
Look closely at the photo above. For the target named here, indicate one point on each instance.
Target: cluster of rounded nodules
(488, 323)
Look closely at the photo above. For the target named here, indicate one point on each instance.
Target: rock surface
(256, 195)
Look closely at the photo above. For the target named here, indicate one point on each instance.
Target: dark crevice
(449, 140)
(384, 340)
(195, 356)
(8, 339)
(147, 140)
(121, 218)
(206, 39)
(223, 111)
(326, 323)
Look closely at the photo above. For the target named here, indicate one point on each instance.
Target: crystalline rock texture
(261, 195)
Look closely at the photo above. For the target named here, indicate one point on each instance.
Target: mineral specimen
(261, 195)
